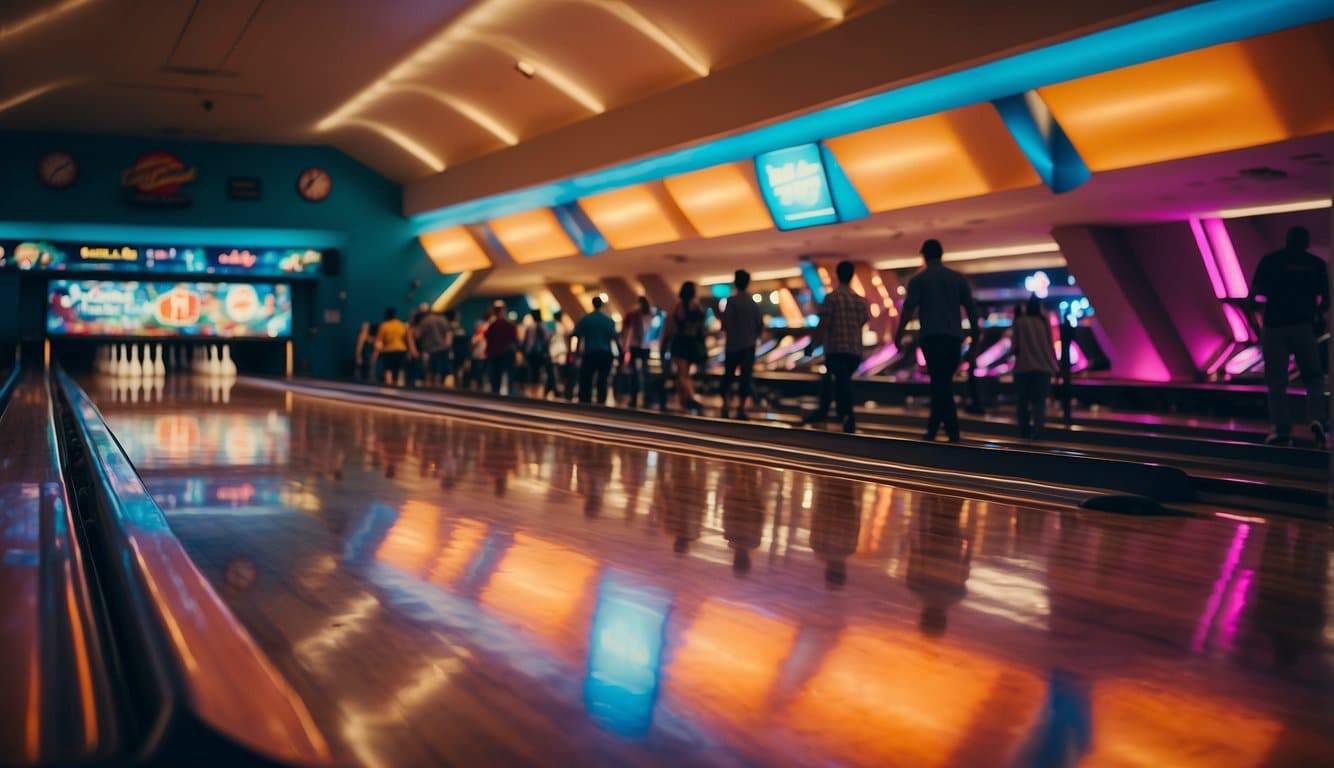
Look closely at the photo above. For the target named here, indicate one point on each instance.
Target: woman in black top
(684, 337)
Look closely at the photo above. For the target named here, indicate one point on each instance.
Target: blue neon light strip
(847, 199)
(1048, 148)
(580, 228)
(240, 237)
(1186, 29)
(811, 274)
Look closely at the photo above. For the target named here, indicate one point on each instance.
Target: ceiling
(1003, 222)
(408, 87)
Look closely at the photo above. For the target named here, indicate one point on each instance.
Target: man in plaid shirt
(842, 315)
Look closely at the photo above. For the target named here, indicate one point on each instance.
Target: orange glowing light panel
(952, 155)
(883, 697)
(630, 217)
(540, 585)
(413, 539)
(465, 537)
(722, 200)
(791, 310)
(729, 660)
(454, 250)
(1135, 724)
(1226, 97)
(533, 236)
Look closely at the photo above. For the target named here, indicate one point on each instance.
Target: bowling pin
(228, 368)
(119, 367)
(136, 368)
(214, 361)
(159, 367)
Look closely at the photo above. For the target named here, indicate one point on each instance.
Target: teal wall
(382, 263)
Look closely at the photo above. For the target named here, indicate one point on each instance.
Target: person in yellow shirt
(393, 344)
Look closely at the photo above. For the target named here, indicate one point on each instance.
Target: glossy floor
(444, 592)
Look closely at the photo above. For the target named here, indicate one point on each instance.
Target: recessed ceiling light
(525, 68)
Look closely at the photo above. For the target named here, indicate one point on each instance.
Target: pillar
(659, 293)
(570, 305)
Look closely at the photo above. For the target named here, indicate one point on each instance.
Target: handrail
(211, 690)
(58, 705)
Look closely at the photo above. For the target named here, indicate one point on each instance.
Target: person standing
(684, 336)
(562, 358)
(596, 333)
(537, 354)
(432, 339)
(634, 345)
(842, 315)
(1034, 365)
(1295, 287)
(742, 324)
(363, 353)
(460, 347)
(936, 294)
(502, 338)
(392, 345)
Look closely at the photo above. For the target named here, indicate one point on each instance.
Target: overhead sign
(116, 308)
(157, 178)
(50, 256)
(795, 187)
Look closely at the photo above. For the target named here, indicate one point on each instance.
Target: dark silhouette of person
(743, 324)
(596, 333)
(939, 559)
(1295, 286)
(936, 294)
(836, 523)
(842, 315)
(743, 513)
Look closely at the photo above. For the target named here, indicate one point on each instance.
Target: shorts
(438, 363)
(688, 349)
(392, 362)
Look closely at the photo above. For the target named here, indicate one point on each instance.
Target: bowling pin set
(147, 361)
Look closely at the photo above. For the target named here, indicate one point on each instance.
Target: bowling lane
(440, 591)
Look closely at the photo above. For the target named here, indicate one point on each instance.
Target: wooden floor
(441, 592)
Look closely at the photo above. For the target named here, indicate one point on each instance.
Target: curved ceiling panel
(1229, 96)
(454, 250)
(632, 217)
(723, 200)
(532, 236)
(952, 155)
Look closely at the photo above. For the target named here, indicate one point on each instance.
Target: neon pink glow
(1220, 586)
(1207, 254)
(921, 358)
(1225, 256)
(1243, 361)
(1236, 601)
(878, 358)
(1240, 331)
(1222, 358)
(995, 352)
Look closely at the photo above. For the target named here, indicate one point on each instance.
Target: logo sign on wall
(795, 187)
(157, 179)
(169, 309)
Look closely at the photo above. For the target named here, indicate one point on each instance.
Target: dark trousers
(1280, 344)
(1030, 394)
(837, 385)
(739, 361)
(500, 368)
(943, 354)
(596, 364)
(638, 375)
(538, 363)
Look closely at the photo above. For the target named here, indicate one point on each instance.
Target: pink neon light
(1222, 358)
(1226, 257)
(1240, 331)
(1220, 585)
(1236, 601)
(1243, 361)
(1207, 254)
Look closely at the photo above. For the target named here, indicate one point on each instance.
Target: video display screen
(167, 309)
(795, 187)
(53, 256)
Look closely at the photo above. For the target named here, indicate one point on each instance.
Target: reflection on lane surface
(441, 591)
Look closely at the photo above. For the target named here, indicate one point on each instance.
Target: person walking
(684, 337)
(502, 338)
(537, 354)
(1034, 365)
(432, 339)
(635, 328)
(595, 334)
(393, 343)
(936, 294)
(742, 324)
(1295, 286)
(363, 353)
(561, 356)
(842, 315)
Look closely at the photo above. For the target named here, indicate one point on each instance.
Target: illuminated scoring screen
(53, 256)
(795, 187)
(123, 308)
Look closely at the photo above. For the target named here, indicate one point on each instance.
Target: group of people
(1290, 286)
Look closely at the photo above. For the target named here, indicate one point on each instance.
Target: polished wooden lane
(443, 592)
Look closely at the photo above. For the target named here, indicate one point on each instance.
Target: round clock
(57, 170)
(314, 184)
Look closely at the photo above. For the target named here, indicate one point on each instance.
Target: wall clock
(57, 170)
(314, 184)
